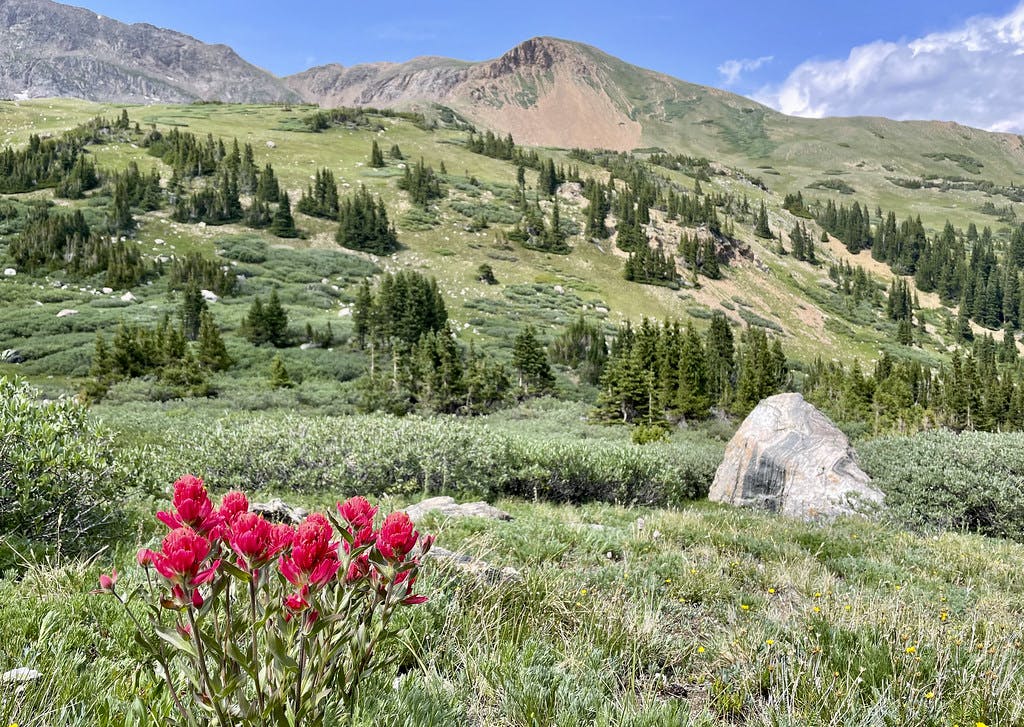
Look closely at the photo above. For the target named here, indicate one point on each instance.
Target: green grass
(702, 615)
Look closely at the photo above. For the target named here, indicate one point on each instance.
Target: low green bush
(59, 481)
(467, 459)
(972, 481)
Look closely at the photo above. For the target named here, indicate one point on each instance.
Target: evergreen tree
(192, 307)
(531, 364)
(213, 354)
(709, 261)
(761, 228)
(363, 225)
(321, 198)
(692, 400)
(279, 378)
(276, 320)
(376, 156)
(283, 224)
(267, 188)
(266, 323)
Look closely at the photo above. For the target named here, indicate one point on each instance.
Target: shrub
(58, 479)
(467, 459)
(972, 481)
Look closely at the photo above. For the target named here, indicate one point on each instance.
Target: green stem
(161, 659)
(252, 627)
(204, 672)
(298, 682)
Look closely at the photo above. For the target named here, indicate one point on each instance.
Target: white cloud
(732, 70)
(972, 74)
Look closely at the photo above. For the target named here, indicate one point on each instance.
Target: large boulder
(788, 457)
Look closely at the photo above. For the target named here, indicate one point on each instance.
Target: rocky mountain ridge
(52, 50)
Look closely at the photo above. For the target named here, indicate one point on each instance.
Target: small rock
(277, 510)
(158, 241)
(271, 145)
(10, 272)
(448, 507)
(307, 346)
(107, 291)
(67, 312)
(559, 289)
(128, 297)
(21, 674)
(11, 356)
(473, 566)
(209, 296)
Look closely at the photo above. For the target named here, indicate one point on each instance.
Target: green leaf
(235, 571)
(175, 639)
(238, 656)
(280, 652)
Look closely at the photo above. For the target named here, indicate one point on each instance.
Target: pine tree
(709, 263)
(276, 320)
(283, 224)
(363, 225)
(279, 378)
(531, 364)
(267, 188)
(193, 305)
(761, 228)
(213, 354)
(376, 156)
(691, 400)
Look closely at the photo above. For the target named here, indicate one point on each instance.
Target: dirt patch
(565, 114)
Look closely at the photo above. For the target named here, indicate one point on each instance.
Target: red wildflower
(145, 557)
(358, 568)
(297, 602)
(192, 507)
(396, 537)
(233, 504)
(357, 512)
(182, 553)
(107, 582)
(314, 558)
(255, 540)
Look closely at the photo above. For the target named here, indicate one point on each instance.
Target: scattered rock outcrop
(278, 511)
(473, 566)
(448, 507)
(787, 457)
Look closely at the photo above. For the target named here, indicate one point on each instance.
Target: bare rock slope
(48, 49)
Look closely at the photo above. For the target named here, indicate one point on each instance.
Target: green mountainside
(747, 220)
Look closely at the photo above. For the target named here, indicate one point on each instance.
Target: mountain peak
(51, 49)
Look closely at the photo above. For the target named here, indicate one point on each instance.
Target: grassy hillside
(791, 298)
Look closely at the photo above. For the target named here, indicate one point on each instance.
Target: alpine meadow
(542, 390)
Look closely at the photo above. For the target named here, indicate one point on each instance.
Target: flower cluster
(252, 577)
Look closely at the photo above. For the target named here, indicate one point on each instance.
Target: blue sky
(811, 58)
